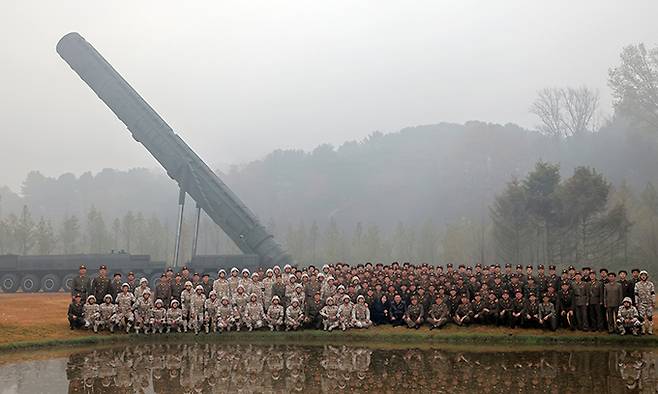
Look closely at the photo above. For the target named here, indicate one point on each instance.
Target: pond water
(222, 367)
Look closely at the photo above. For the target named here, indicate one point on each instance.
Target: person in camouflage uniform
(329, 314)
(239, 301)
(415, 314)
(174, 316)
(125, 317)
(221, 286)
(186, 304)
(91, 313)
(108, 312)
(253, 313)
(225, 315)
(197, 303)
(345, 312)
(275, 314)
(158, 317)
(439, 314)
(143, 286)
(266, 284)
(294, 315)
(210, 310)
(628, 318)
(361, 313)
(645, 299)
(142, 311)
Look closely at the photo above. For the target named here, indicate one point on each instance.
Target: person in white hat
(329, 314)
(142, 311)
(275, 314)
(143, 286)
(197, 304)
(361, 313)
(266, 285)
(108, 312)
(225, 315)
(210, 317)
(253, 313)
(91, 313)
(158, 316)
(220, 285)
(239, 301)
(294, 315)
(645, 299)
(627, 318)
(125, 300)
(174, 316)
(186, 304)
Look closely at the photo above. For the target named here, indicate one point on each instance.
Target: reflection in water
(185, 368)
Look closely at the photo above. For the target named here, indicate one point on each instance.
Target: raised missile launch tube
(181, 163)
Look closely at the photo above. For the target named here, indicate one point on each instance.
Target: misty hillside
(441, 172)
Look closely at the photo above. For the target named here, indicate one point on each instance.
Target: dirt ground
(39, 317)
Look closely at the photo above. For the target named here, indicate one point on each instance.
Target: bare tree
(547, 107)
(565, 112)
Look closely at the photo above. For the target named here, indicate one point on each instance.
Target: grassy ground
(38, 320)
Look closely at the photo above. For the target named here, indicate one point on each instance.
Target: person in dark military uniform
(553, 279)
(415, 314)
(115, 285)
(438, 314)
(464, 312)
(531, 315)
(612, 297)
(101, 283)
(627, 286)
(206, 283)
(478, 307)
(75, 312)
(505, 309)
(396, 310)
(491, 309)
(81, 284)
(132, 282)
(547, 314)
(518, 308)
(163, 290)
(565, 306)
(580, 301)
(595, 308)
(312, 308)
(498, 286)
(177, 287)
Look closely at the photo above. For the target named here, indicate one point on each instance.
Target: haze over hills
(443, 174)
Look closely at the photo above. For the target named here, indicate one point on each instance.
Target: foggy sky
(239, 79)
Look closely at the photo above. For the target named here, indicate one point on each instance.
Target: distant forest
(443, 192)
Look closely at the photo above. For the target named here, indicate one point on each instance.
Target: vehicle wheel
(67, 282)
(50, 283)
(153, 282)
(30, 283)
(9, 283)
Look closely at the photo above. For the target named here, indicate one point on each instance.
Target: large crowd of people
(341, 296)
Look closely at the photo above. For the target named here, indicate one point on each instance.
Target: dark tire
(67, 282)
(9, 283)
(30, 283)
(50, 283)
(153, 282)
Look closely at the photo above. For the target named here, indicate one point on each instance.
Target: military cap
(184, 268)
(117, 273)
(178, 274)
(518, 291)
(603, 270)
(464, 295)
(77, 295)
(469, 268)
(586, 268)
(545, 295)
(635, 270)
(169, 269)
(624, 271)
(478, 265)
(532, 295)
(529, 266)
(497, 266)
(540, 266)
(551, 267)
(508, 265)
(83, 267)
(571, 267)
(131, 273)
(505, 291)
(206, 274)
(196, 274)
(519, 266)
(103, 267)
(612, 273)
(449, 265)
(461, 266)
(492, 292)
(163, 275)
(578, 273)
